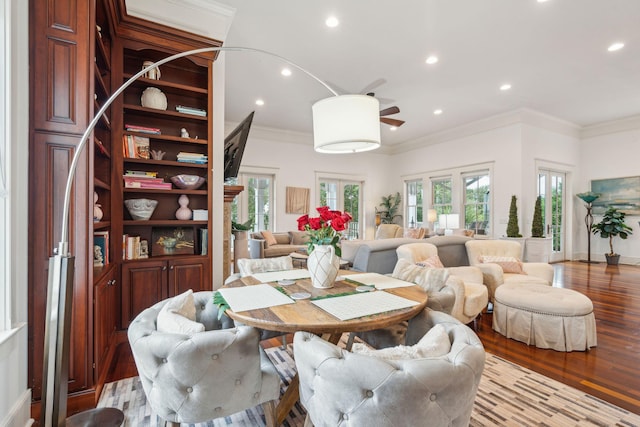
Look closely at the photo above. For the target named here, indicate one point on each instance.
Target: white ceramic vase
(323, 264)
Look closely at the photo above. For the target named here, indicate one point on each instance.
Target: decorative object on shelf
(98, 259)
(97, 208)
(324, 237)
(184, 133)
(612, 225)
(183, 213)
(390, 205)
(512, 226)
(141, 209)
(172, 241)
(589, 197)
(157, 154)
(152, 73)
(187, 182)
(152, 97)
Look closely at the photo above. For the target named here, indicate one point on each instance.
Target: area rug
(509, 395)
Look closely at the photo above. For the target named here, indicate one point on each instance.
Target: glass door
(551, 185)
(344, 196)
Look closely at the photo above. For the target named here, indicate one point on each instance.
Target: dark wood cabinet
(105, 301)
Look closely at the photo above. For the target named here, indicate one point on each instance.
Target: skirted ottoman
(547, 317)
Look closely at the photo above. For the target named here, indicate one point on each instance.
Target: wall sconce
(449, 222)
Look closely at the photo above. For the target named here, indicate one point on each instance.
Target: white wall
(297, 165)
(614, 155)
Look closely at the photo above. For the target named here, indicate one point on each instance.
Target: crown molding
(612, 126)
(519, 116)
(203, 17)
(274, 134)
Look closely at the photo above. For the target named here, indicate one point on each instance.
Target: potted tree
(390, 205)
(538, 246)
(612, 225)
(240, 233)
(513, 230)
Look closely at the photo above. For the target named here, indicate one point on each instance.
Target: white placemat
(273, 276)
(364, 304)
(380, 281)
(254, 297)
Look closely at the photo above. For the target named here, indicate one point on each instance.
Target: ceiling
(554, 55)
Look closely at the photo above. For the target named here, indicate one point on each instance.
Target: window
(414, 204)
(343, 195)
(256, 202)
(476, 202)
(441, 196)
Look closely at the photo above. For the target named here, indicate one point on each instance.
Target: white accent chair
(471, 296)
(207, 375)
(341, 388)
(494, 276)
(249, 266)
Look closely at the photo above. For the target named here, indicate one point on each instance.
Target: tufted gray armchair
(211, 374)
(339, 388)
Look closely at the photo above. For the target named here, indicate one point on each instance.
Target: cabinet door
(105, 318)
(143, 284)
(185, 274)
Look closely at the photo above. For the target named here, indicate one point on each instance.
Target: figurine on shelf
(158, 154)
(98, 259)
(97, 208)
(184, 133)
(153, 73)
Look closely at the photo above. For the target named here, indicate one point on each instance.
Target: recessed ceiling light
(393, 128)
(615, 46)
(437, 112)
(432, 60)
(259, 102)
(285, 72)
(505, 86)
(332, 22)
(542, 1)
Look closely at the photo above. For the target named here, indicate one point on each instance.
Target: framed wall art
(620, 193)
(172, 241)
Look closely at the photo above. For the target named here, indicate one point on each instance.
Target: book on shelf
(141, 174)
(133, 247)
(100, 248)
(191, 110)
(101, 146)
(204, 240)
(142, 129)
(135, 147)
(186, 157)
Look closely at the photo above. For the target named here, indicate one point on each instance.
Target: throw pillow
(299, 237)
(509, 264)
(429, 279)
(432, 262)
(412, 233)
(435, 343)
(270, 240)
(178, 315)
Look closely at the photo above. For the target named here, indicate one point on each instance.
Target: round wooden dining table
(303, 315)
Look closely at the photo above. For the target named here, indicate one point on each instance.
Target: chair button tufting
(218, 409)
(433, 397)
(369, 393)
(214, 356)
(202, 307)
(257, 395)
(164, 360)
(189, 389)
(345, 416)
(238, 382)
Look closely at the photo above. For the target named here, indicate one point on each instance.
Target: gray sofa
(379, 256)
(288, 241)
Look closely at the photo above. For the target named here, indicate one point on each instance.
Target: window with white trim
(413, 203)
(477, 214)
(442, 195)
(256, 202)
(346, 196)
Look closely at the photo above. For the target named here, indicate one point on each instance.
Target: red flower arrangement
(324, 229)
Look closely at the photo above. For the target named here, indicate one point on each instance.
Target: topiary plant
(512, 227)
(612, 225)
(537, 227)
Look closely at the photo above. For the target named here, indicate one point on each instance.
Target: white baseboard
(20, 414)
(629, 260)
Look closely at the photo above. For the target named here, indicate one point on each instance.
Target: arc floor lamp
(341, 124)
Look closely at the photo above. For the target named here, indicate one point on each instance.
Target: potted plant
(538, 246)
(240, 233)
(612, 225)
(513, 230)
(390, 205)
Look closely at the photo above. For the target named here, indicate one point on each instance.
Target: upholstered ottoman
(547, 317)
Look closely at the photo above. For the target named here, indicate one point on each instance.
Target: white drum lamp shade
(346, 124)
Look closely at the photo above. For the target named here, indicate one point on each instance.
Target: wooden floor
(610, 371)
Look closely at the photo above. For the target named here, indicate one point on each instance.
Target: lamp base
(96, 417)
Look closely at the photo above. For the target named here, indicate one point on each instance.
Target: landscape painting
(620, 193)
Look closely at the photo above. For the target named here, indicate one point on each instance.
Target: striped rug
(509, 395)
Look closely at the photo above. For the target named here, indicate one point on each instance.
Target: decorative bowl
(187, 182)
(141, 209)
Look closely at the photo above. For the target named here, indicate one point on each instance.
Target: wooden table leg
(288, 399)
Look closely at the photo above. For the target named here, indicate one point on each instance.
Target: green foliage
(512, 227)
(612, 225)
(537, 227)
(222, 304)
(390, 205)
(245, 226)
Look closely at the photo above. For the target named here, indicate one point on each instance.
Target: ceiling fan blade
(374, 84)
(392, 122)
(389, 111)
